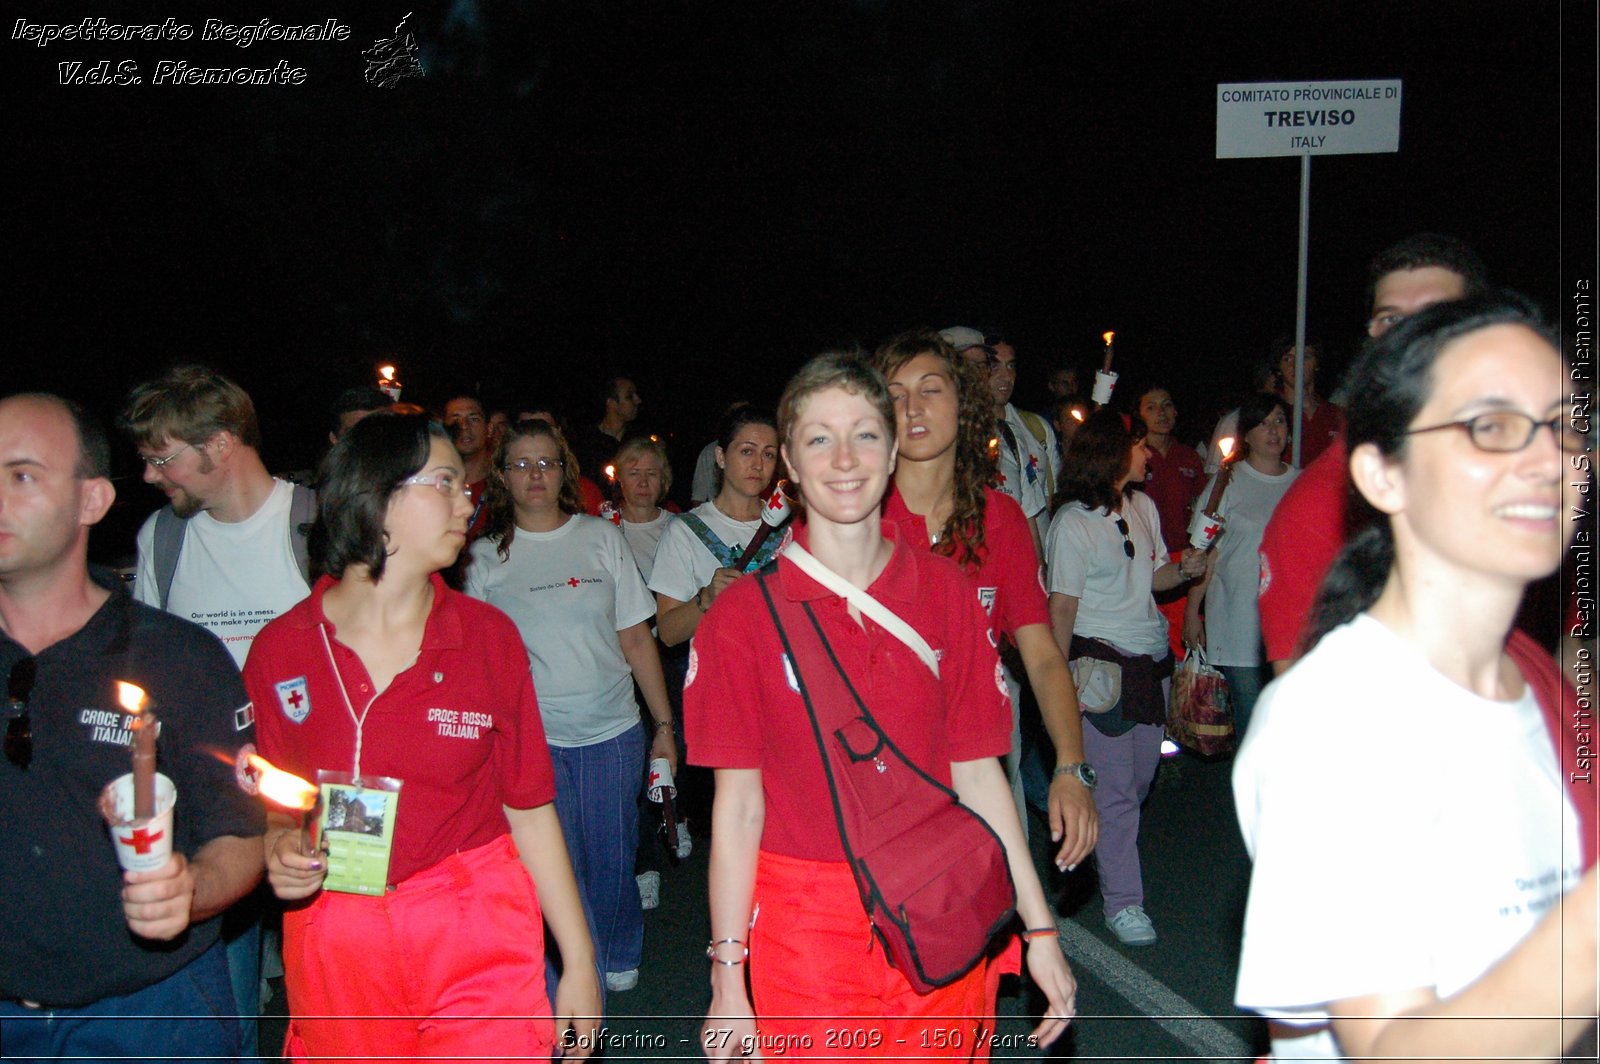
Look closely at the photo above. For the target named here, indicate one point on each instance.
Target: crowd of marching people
(496, 631)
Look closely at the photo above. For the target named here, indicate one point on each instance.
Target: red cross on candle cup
(142, 840)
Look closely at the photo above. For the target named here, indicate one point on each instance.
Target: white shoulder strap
(887, 619)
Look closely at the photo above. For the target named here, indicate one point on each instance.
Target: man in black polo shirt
(94, 962)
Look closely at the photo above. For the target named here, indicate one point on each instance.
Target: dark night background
(701, 194)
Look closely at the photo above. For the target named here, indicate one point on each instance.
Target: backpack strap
(708, 539)
(302, 513)
(1039, 431)
(170, 529)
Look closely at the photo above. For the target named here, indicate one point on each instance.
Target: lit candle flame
(280, 787)
(1077, 414)
(611, 472)
(1225, 445)
(131, 696)
(386, 372)
(1108, 337)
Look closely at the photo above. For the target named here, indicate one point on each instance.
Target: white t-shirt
(232, 576)
(683, 565)
(570, 592)
(1023, 472)
(1233, 619)
(643, 537)
(703, 485)
(1088, 562)
(1406, 832)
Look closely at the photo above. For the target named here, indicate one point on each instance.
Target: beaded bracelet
(663, 725)
(1040, 932)
(711, 951)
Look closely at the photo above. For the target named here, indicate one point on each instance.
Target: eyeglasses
(1508, 431)
(1127, 543)
(445, 484)
(528, 465)
(19, 729)
(161, 463)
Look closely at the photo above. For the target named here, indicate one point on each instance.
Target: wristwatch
(1081, 771)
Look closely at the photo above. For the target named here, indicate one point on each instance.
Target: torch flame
(282, 788)
(131, 696)
(386, 372)
(1225, 445)
(1108, 337)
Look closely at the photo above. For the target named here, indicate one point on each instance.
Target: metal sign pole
(1300, 307)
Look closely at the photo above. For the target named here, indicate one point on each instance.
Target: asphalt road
(1166, 1002)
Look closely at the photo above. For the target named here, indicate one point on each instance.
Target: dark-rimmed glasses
(1509, 431)
(19, 728)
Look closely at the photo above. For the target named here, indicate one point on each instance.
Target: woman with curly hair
(569, 582)
(941, 499)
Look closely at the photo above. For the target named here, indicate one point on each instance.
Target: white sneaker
(1132, 926)
(685, 842)
(617, 982)
(649, 889)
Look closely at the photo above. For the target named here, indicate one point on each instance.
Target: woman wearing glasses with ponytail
(1412, 788)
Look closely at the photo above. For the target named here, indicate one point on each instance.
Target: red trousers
(824, 989)
(449, 964)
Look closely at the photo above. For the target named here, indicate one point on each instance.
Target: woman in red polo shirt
(384, 674)
(941, 500)
(782, 892)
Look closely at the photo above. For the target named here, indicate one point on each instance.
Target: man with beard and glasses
(227, 552)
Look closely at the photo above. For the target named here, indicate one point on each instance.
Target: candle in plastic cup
(1204, 529)
(660, 779)
(1104, 381)
(142, 846)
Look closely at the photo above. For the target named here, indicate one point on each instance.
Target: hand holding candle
(774, 515)
(293, 873)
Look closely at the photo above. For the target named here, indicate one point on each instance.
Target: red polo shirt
(1322, 430)
(1172, 481)
(1007, 576)
(460, 728)
(741, 709)
(1303, 537)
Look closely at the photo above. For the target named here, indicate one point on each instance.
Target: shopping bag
(1200, 715)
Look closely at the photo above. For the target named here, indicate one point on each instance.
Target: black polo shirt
(63, 938)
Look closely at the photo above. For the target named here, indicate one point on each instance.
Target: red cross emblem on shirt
(295, 699)
(141, 840)
(573, 582)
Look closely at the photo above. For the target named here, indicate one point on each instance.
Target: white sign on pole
(1266, 118)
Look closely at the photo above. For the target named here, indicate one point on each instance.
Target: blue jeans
(597, 791)
(241, 939)
(1244, 690)
(188, 1014)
